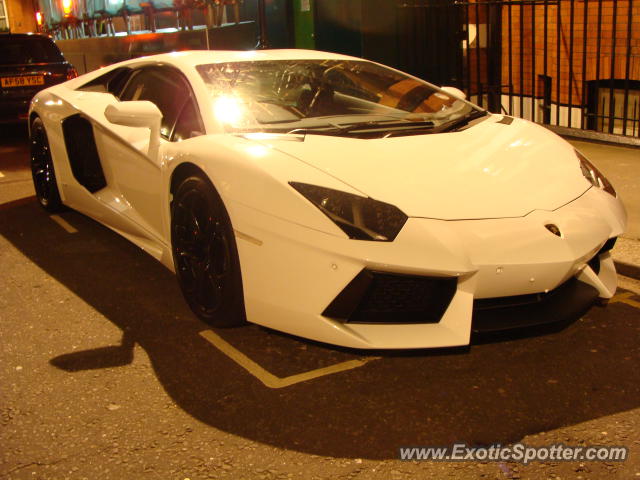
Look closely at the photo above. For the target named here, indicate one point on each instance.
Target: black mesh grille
(376, 297)
(564, 303)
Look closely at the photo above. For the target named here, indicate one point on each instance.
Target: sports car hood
(490, 170)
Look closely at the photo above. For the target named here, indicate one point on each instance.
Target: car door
(135, 176)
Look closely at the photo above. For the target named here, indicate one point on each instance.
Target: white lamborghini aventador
(330, 197)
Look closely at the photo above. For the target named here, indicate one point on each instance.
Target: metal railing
(566, 63)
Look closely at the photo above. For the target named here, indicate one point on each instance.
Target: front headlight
(361, 218)
(594, 176)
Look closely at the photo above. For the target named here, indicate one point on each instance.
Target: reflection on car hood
(491, 170)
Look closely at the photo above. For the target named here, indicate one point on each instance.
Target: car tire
(42, 171)
(205, 254)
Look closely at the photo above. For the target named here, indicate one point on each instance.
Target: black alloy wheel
(42, 172)
(205, 254)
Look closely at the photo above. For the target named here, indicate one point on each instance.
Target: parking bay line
(268, 378)
(624, 298)
(63, 223)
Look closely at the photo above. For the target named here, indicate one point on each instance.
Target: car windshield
(337, 95)
(28, 50)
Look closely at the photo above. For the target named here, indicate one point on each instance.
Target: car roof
(192, 58)
(187, 60)
(198, 57)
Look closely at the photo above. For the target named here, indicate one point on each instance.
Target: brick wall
(615, 43)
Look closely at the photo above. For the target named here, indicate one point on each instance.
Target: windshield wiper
(373, 125)
(391, 127)
(460, 122)
(331, 128)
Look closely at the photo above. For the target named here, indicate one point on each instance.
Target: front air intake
(379, 297)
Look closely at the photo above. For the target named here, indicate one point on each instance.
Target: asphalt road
(105, 373)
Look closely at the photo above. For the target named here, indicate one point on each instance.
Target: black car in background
(28, 63)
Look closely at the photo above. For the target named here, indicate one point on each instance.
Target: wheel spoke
(220, 246)
(41, 167)
(204, 288)
(201, 250)
(187, 245)
(201, 289)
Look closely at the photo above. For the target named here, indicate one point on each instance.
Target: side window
(111, 82)
(117, 81)
(163, 87)
(188, 124)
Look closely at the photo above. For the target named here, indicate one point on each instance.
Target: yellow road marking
(624, 298)
(63, 223)
(268, 378)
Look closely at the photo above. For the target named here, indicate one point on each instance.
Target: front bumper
(292, 274)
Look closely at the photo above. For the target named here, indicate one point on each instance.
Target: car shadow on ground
(14, 138)
(492, 392)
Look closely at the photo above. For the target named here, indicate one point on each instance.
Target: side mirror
(454, 92)
(142, 114)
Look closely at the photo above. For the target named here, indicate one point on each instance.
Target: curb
(627, 269)
(590, 135)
